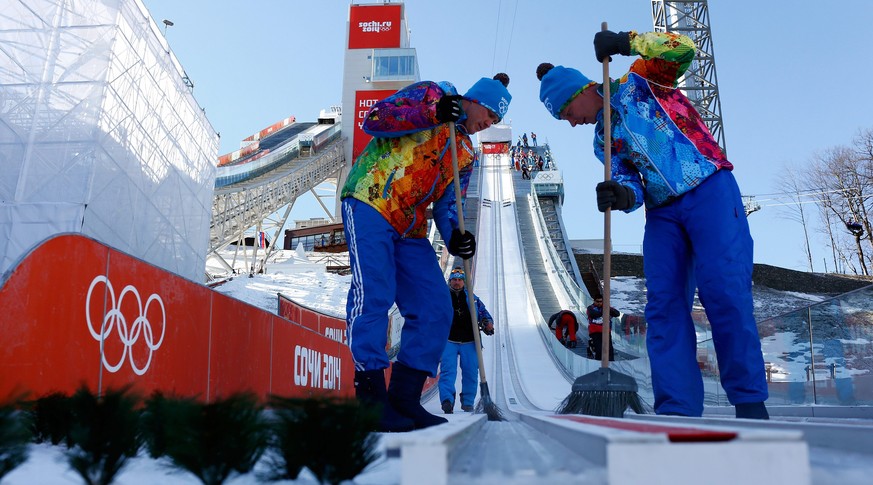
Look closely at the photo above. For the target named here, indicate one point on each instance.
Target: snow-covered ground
(47, 465)
(628, 294)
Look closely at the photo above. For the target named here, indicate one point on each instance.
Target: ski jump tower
(700, 83)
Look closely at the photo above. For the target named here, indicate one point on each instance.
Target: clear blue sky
(791, 75)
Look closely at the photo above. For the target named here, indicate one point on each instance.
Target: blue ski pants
(387, 268)
(702, 239)
(466, 352)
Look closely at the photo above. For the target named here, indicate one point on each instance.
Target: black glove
(487, 326)
(463, 245)
(607, 43)
(615, 196)
(449, 108)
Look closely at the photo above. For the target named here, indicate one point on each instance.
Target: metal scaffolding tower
(100, 134)
(265, 202)
(700, 83)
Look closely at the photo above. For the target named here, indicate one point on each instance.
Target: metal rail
(244, 205)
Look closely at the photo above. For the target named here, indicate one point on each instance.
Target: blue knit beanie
(558, 85)
(492, 94)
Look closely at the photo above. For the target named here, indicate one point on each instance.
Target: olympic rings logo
(128, 335)
(503, 106)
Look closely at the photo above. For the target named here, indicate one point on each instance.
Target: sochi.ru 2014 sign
(374, 26)
(316, 369)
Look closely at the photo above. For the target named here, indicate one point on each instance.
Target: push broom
(604, 392)
(485, 403)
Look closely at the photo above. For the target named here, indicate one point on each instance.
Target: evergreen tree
(104, 434)
(14, 437)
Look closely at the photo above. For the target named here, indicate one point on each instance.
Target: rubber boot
(370, 389)
(448, 405)
(752, 410)
(404, 394)
(465, 407)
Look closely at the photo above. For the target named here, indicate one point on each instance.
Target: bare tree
(863, 147)
(793, 184)
(844, 197)
(829, 232)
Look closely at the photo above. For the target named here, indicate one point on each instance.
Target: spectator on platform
(524, 139)
(565, 325)
(696, 230)
(405, 168)
(461, 346)
(594, 312)
(533, 138)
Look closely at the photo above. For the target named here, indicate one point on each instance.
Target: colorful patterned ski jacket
(408, 164)
(660, 146)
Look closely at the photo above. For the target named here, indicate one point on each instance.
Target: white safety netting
(100, 134)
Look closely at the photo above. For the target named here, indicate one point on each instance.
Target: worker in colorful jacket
(406, 167)
(696, 232)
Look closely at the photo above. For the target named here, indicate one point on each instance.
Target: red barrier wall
(331, 327)
(334, 328)
(76, 311)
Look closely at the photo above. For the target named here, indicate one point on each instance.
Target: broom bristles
(487, 406)
(610, 404)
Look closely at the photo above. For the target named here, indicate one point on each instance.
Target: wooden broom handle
(607, 219)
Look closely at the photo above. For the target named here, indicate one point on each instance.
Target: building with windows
(327, 237)
(378, 61)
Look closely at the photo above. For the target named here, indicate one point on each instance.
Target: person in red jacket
(595, 329)
(565, 321)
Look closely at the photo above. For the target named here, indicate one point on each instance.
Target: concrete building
(378, 61)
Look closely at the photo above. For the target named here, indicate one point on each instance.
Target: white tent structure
(100, 134)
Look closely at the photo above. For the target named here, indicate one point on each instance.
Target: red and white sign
(364, 100)
(272, 129)
(106, 319)
(491, 148)
(374, 26)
